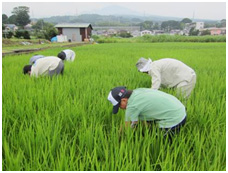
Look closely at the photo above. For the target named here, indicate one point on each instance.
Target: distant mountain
(119, 19)
(116, 10)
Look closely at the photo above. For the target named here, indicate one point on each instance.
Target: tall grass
(161, 38)
(65, 123)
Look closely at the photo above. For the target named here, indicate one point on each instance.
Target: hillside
(96, 19)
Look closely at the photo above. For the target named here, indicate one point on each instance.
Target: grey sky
(201, 10)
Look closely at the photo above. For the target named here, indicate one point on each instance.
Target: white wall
(199, 25)
(73, 34)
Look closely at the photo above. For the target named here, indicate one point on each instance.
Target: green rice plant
(66, 123)
(161, 38)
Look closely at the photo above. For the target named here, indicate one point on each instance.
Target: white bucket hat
(144, 65)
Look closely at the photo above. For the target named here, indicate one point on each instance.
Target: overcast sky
(201, 10)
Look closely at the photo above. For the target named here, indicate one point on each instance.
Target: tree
(4, 19)
(19, 33)
(26, 35)
(193, 32)
(186, 20)
(40, 24)
(22, 16)
(44, 30)
(7, 34)
(146, 25)
(22, 33)
(156, 26)
(209, 25)
(125, 35)
(51, 32)
(12, 19)
(221, 24)
(170, 24)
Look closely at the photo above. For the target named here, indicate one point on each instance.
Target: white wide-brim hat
(144, 65)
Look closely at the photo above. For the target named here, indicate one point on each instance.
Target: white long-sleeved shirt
(169, 72)
(34, 58)
(42, 66)
(70, 54)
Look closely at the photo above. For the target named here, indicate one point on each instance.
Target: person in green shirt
(146, 104)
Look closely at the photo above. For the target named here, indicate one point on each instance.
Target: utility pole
(193, 16)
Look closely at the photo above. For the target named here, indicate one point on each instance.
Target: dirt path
(22, 51)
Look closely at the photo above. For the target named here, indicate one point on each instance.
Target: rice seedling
(66, 123)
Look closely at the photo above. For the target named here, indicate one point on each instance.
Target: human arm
(128, 124)
(155, 78)
(131, 119)
(34, 72)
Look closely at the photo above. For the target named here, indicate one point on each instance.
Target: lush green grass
(65, 123)
(161, 38)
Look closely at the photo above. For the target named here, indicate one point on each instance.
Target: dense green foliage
(22, 34)
(160, 38)
(7, 34)
(65, 123)
(4, 19)
(22, 16)
(44, 30)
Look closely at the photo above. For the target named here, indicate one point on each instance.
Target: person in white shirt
(34, 58)
(47, 66)
(170, 73)
(68, 55)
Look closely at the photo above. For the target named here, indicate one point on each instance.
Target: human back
(43, 65)
(149, 104)
(171, 71)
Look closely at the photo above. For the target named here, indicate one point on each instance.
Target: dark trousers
(170, 132)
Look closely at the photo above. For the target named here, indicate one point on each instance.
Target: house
(199, 25)
(184, 32)
(175, 32)
(111, 31)
(215, 31)
(99, 32)
(117, 28)
(136, 33)
(146, 32)
(75, 32)
(10, 27)
(28, 27)
(188, 26)
(157, 32)
(218, 31)
(195, 25)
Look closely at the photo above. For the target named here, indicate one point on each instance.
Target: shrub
(22, 34)
(8, 34)
(19, 33)
(26, 35)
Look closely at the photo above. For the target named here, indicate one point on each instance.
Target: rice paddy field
(66, 123)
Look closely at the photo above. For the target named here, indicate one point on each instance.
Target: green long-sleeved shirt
(149, 104)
